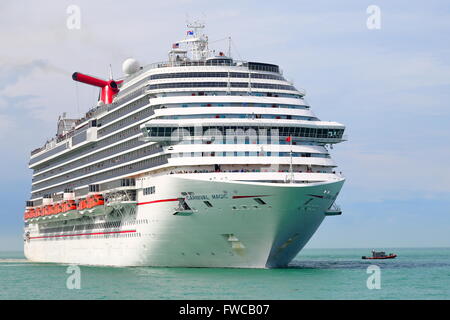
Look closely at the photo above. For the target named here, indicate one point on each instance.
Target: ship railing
(55, 142)
(120, 195)
(207, 63)
(148, 136)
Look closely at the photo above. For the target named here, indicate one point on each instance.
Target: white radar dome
(130, 66)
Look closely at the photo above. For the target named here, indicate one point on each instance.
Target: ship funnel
(108, 87)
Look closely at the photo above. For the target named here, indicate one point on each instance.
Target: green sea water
(314, 274)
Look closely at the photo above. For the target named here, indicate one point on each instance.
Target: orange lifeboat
(30, 213)
(82, 204)
(38, 212)
(57, 208)
(51, 210)
(48, 210)
(95, 200)
(71, 205)
(64, 206)
(68, 206)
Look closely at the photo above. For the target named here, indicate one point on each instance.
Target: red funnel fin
(108, 87)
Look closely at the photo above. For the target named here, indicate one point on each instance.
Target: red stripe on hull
(156, 201)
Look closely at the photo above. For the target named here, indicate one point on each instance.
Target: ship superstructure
(200, 160)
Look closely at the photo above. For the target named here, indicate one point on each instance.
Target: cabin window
(149, 190)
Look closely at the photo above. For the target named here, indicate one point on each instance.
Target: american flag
(175, 45)
(190, 33)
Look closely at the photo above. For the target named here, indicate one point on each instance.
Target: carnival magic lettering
(206, 197)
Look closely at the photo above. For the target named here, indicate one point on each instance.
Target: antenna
(198, 42)
(110, 72)
(196, 25)
(78, 102)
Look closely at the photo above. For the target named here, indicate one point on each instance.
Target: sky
(390, 86)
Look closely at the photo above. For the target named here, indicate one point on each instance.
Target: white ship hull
(236, 231)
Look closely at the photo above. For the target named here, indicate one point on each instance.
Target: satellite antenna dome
(130, 66)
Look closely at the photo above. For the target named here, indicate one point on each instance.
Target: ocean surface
(314, 274)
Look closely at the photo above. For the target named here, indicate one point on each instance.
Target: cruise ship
(198, 161)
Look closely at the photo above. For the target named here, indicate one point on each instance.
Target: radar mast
(197, 40)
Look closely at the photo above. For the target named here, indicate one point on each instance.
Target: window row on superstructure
(190, 131)
(86, 223)
(172, 85)
(82, 226)
(216, 74)
(73, 154)
(235, 104)
(100, 165)
(227, 168)
(123, 110)
(176, 75)
(248, 154)
(51, 152)
(133, 118)
(164, 93)
(241, 162)
(90, 158)
(97, 178)
(238, 116)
